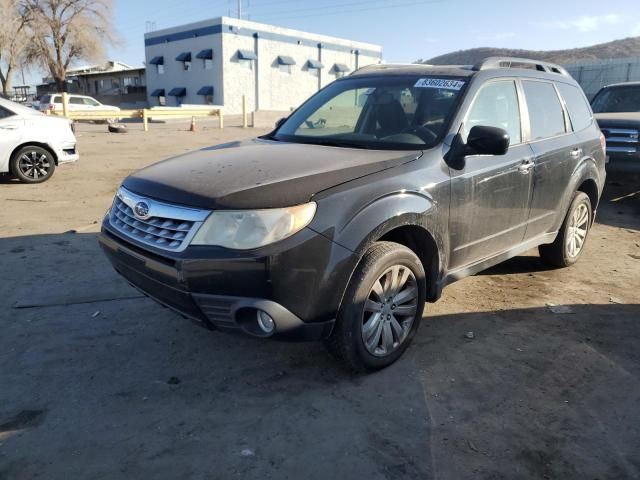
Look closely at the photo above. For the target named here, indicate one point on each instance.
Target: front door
(490, 195)
(10, 134)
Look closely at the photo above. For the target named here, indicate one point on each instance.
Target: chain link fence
(593, 75)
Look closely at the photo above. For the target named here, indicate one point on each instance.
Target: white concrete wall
(265, 86)
(176, 76)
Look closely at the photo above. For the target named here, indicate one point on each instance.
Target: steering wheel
(424, 133)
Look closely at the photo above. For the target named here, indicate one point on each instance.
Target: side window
(4, 113)
(76, 101)
(57, 99)
(579, 110)
(91, 102)
(546, 116)
(496, 105)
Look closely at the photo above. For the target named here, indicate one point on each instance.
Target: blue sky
(407, 29)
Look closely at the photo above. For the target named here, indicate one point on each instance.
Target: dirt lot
(97, 382)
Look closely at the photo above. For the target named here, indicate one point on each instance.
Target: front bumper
(67, 153)
(223, 290)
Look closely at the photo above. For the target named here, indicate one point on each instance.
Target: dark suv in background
(617, 110)
(367, 201)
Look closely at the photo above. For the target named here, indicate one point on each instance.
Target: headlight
(247, 229)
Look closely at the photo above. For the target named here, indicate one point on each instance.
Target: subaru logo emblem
(141, 209)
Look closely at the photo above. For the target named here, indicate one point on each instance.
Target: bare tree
(62, 31)
(13, 40)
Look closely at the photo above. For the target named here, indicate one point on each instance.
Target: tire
(363, 317)
(569, 244)
(117, 128)
(33, 164)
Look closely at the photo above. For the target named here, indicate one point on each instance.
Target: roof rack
(515, 62)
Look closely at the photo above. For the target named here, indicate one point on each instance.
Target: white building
(218, 61)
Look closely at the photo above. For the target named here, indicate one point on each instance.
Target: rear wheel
(382, 308)
(33, 164)
(569, 244)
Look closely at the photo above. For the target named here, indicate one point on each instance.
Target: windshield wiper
(339, 143)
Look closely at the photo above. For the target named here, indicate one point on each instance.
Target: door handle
(526, 165)
(576, 152)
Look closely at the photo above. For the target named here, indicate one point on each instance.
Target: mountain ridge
(623, 48)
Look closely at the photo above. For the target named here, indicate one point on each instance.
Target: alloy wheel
(389, 310)
(578, 228)
(34, 165)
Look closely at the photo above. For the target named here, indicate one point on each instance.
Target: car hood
(258, 173)
(628, 119)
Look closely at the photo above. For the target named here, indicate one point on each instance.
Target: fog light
(265, 322)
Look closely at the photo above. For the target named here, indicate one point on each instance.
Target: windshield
(405, 113)
(617, 99)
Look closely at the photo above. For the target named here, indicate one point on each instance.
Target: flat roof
(230, 25)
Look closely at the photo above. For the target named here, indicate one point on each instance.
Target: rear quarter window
(4, 113)
(45, 99)
(546, 116)
(577, 105)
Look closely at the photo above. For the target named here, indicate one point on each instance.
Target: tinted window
(45, 99)
(497, 106)
(618, 99)
(545, 112)
(579, 111)
(76, 101)
(4, 113)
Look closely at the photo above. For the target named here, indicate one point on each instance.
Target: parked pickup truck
(617, 110)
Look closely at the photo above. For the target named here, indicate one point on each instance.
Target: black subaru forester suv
(365, 202)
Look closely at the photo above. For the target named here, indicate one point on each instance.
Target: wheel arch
(46, 146)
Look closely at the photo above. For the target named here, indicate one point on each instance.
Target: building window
(208, 64)
(285, 63)
(248, 64)
(286, 69)
(315, 72)
(162, 101)
(185, 58)
(208, 99)
(160, 69)
(339, 74)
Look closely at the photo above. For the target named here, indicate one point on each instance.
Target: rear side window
(57, 99)
(76, 101)
(579, 110)
(546, 116)
(496, 105)
(45, 99)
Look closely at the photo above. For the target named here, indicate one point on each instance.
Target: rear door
(490, 195)
(556, 152)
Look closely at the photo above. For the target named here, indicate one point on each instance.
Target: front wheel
(32, 164)
(382, 308)
(569, 244)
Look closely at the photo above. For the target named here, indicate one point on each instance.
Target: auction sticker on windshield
(439, 83)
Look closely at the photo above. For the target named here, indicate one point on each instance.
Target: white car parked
(77, 103)
(33, 144)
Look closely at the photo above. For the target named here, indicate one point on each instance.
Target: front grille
(164, 226)
(621, 140)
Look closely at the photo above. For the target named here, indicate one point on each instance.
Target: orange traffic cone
(193, 124)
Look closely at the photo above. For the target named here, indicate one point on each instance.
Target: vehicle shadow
(137, 391)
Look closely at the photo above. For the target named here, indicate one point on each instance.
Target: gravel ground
(98, 382)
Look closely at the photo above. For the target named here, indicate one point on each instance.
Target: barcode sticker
(439, 83)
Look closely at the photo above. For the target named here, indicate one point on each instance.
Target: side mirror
(280, 122)
(484, 140)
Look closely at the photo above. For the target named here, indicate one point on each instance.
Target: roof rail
(515, 62)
